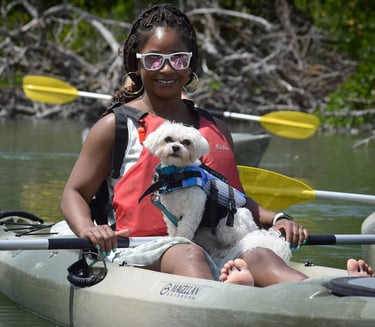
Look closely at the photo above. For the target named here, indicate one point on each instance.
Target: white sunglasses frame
(165, 57)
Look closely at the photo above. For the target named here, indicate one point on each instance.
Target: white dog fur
(181, 146)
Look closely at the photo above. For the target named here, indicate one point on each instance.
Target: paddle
(275, 191)
(291, 124)
(83, 243)
(68, 243)
(53, 90)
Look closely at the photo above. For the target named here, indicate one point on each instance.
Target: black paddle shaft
(321, 240)
(79, 243)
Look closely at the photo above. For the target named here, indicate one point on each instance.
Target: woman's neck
(173, 109)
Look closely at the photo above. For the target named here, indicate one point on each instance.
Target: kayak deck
(36, 279)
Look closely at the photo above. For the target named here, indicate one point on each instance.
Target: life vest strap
(168, 182)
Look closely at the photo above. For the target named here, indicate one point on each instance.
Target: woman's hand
(294, 233)
(104, 238)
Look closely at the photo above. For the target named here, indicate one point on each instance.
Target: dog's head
(177, 144)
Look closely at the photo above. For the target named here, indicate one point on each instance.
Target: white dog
(179, 147)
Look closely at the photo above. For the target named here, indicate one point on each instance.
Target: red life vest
(144, 218)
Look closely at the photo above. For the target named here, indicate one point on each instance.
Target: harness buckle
(155, 196)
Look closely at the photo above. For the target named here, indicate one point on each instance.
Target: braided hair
(161, 15)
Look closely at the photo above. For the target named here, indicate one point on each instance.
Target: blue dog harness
(170, 178)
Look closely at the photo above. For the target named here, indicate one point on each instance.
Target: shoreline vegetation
(253, 62)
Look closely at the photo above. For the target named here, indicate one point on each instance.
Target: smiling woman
(160, 56)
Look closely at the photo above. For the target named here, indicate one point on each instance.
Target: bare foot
(236, 272)
(358, 268)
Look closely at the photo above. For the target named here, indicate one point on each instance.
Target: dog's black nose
(175, 148)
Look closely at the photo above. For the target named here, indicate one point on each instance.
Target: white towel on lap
(148, 253)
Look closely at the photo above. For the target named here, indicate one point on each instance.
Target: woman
(160, 55)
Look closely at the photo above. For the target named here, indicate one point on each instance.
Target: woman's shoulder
(224, 130)
(221, 125)
(106, 122)
(103, 131)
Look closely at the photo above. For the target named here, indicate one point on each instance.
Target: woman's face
(165, 82)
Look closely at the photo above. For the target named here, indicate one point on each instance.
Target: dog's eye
(168, 139)
(186, 142)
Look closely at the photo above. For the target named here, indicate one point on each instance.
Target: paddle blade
(291, 124)
(272, 190)
(48, 89)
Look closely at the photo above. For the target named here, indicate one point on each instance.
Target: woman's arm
(89, 171)
(294, 233)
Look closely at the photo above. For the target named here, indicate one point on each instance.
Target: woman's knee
(194, 253)
(188, 253)
(259, 255)
(268, 268)
(264, 259)
(186, 259)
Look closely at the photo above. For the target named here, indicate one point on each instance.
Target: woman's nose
(167, 66)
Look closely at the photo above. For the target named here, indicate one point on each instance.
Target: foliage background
(345, 30)
(351, 27)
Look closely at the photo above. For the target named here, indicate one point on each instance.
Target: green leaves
(351, 27)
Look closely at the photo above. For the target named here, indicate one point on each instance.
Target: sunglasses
(155, 61)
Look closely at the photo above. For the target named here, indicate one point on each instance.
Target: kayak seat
(20, 213)
(352, 286)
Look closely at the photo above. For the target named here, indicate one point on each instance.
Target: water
(36, 158)
(13, 316)
(327, 164)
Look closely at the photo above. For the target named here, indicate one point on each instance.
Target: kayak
(37, 280)
(250, 148)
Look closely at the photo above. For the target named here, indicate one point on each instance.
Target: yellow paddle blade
(272, 190)
(292, 124)
(48, 89)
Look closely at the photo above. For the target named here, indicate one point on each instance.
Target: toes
(352, 265)
(223, 277)
(362, 265)
(358, 268)
(240, 264)
(229, 265)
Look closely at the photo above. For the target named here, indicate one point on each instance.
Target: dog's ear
(202, 146)
(147, 143)
(153, 139)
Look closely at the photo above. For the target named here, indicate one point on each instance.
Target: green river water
(37, 156)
